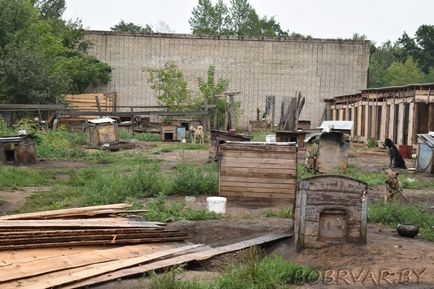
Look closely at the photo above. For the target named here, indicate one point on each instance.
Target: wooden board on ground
(198, 256)
(80, 223)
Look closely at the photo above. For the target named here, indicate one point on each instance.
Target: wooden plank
(29, 233)
(262, 155)
(285, 180)
(242, 164)
(60, 278)
(198, 256)
(234, 170)
(64, 212)
(226, 188)
(255, 174)
(227, 193)
(79, 223)
(38, 267)
(258, 161)
(258, 148)
(246, 184)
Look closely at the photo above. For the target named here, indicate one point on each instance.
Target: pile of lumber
(92, 101)
(88, 226)
(78, 269)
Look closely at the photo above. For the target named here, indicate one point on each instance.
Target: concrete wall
(318, 68)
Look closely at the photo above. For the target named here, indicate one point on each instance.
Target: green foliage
(282, 213)
(239, 19)
(399, 73)
(210, 89)
(14, 177)
(251, 271)
(192, 180)
(170, 86)
(125, 135)
(123, 26)
(4, 129)
(41, 55)
(372, 142)
(395, 213)
(162, 210)
(59, 144)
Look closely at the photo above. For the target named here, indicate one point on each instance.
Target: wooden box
(258, 171)
(168, 132)
(17, 149)
(104, 133)
(219, 137)
(330, 209)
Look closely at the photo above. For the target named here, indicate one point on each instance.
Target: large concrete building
(258, 68)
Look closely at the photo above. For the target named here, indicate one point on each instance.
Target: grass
(126, 135)
(395, 213)
(260, 136)
(282, 213)
(162, 210)
(14, 177)
(170, 147)
(252, 270)
(59, 144)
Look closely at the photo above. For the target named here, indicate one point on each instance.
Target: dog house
(168, 132)
(258, 171)
(329, 210)
(292, 136)
(17, 149)
(219, 137)
(327, 152)
(102, 131)
(425, 153)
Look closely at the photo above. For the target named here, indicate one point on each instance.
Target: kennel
(17, 149)
(292, 136)
(219, 137)
(258, 171)
(168, 132)
(330, 209)
(102, 131)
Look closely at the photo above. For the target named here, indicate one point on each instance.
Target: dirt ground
(399, 260)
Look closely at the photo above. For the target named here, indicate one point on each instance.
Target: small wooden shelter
(330, 210)
(219, 137)
(258, 171)
(102, 131)
(17, 149)
(168, 132)
(292, 136)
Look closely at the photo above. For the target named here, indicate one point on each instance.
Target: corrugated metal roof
(12, 138)
(427, 139)
(338, 124)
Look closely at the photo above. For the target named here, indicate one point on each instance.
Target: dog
(197, 134)
(396, 160)
(393, 186)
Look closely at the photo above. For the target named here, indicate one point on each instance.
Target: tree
(240, 19)
(51, 9)
(399, 73)
(170, 86)
(425, 41)
(210, 89)
(123, 26)
(39, 54)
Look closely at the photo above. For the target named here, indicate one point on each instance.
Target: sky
(379, 20)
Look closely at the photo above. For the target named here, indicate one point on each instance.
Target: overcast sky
(380, 20)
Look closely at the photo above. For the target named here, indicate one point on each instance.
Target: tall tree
(51, 9)
(425, 40)
(399, 73)
(170, 86)
(209, 19)
(123, 26)
(41, 56)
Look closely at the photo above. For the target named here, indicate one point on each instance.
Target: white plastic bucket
(270, 138)
(216, 204)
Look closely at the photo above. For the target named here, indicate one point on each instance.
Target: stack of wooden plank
(78, 269)
(91, 101)
(81, 227)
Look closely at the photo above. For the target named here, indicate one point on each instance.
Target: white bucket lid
(216, 199)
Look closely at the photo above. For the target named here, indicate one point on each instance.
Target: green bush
(191, 180)
(372, 142)
(395, 213)
(125, 135)
(251, 271)
(59, 143)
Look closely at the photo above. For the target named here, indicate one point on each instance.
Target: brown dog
(197, 134)
(393, 186)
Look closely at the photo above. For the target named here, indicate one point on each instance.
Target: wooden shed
(258, 171)
(219, 137)
(17, 149)
(102, 131)
(329, 210)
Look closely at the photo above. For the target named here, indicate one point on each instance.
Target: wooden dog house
(219, 137)
(17, 149)
(258, 171)
(330, 209)
(168, 132)
(102, 131)
(292, 136)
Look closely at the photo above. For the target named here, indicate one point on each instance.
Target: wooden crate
(258, 171)
(219, 137)
(330, 209)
